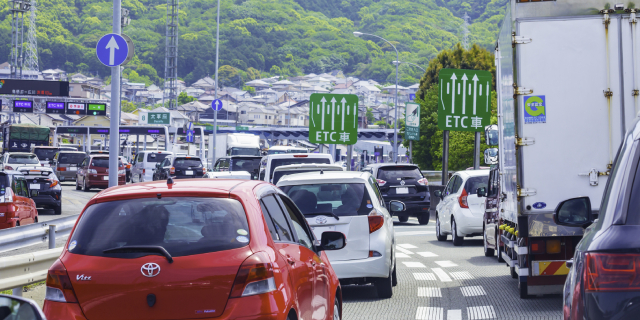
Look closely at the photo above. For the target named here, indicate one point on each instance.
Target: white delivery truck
(567, 83)
(237, 144)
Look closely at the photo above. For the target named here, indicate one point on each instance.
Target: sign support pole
(349, 155)
(215, 112)
(410, 151)
(445, 157)
(115, 105)
(476, 152)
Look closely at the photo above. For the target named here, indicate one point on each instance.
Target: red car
(194, 249)
(16, 206)
(93, 172)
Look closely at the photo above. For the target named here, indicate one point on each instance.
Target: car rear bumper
(66, 175)
(100, 183)
(377, 267)
(612, 305)
(414, 208)
(47, 200)
(61, 310)
(468, 222)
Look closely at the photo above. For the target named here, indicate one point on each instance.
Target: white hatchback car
(351, 203)
(460, 211)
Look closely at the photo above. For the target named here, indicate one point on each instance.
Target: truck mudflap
(549, 268)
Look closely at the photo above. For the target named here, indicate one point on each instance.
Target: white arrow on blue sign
(190, 134)
(216, 105)
(112, 50)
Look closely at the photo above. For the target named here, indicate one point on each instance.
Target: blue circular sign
(112, 50)
(216, 105)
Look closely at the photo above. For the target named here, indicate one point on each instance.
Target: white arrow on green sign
(464, 103)
(333, 118)
(412, 121)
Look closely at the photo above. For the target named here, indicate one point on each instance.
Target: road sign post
(333, 118)
(412, 125)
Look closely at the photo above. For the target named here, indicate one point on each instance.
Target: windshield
(245, 151)
(286, 161)
(156, 157)
(474, 183)
(395, 174)
(184, 163)
(45, 154)
(297, 151)
(182, 225)
(70, 158)
(341, 199)
(23, 159)
(277, 175)
(272, 151)
(251, 165)
(103, 163)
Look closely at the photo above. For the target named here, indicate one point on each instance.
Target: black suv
(403, 182)
(45, 187)
(179, 167)
(250, 164)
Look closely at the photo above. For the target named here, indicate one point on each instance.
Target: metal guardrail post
(52, 236)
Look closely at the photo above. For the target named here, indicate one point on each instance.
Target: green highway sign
(155, 117)
(412, 121)
(97, 109)
(465, 100)
(242, 128)
(333, 118)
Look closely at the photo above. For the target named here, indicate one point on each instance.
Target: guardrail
(36, 233)
(25, 269)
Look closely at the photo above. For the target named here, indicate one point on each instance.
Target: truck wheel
(457, 240)
(403, 218)
(423, 219)
(500, 250)
(488, 252)
(439, 236)
(523, 290)
(514, 274)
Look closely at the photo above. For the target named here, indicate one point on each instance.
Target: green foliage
(183, 98)
(370, 117)
(127, 106)
(251, 90)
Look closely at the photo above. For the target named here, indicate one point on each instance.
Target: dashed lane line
(424, 276)
(473, 291)
(413, 233)
(482, 312)
(444, 277)
(413, 264)
(429, 313)
(403, 250)
(433, 292)
(427, 254)
(407, 246)
(461, 275)
(454, 314)
(402, 255)
(446, 264)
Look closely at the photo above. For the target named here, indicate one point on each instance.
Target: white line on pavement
(446, 264)
(483, 312)
(427, 254)
(424, 276)
(407, 246)
(414, 233)
(402, 255)
(473, 291)
(412, 264)
(460, 275)
(444, 277)
(403, 250)
(429, 313)
(429, 292)
(454, 314)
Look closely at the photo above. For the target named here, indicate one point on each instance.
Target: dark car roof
(390, 164)
(250, 157)
(72, 151)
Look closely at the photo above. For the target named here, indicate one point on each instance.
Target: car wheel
(85, 188)
(57, 211)
(487, 251)
(423, 219)
(457, 240)
(336, 309)
(77, 184)
(403, 218)
(395, 275)
(500, 250)
(384, 286)
(439, 236)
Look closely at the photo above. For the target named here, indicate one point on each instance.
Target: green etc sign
(412, 121)
(464, 102)
(333, 118)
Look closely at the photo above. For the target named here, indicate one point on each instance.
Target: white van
(270, 162)
(286, 149)
(144, 163)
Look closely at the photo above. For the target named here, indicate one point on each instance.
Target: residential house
(258, 84)
(205, 84)
(54, 75)
(192, 109)
(84, 90)
(78, 78)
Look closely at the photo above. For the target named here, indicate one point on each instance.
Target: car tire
(403, 218)
(85, 188)
(394, 275)
(57, 210)
(439, 236)
(423, 219)
(384, 286)
(457, 240)
(336, 309)
(488, 252)
(500, 251)
(77, 185)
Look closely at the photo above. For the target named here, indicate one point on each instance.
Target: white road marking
(454, 314)
(446, 264)
(413, 233)
(402, 255)
(444, 277)
(473, 291)
(413, 264)
(483, 312)
(424, 276)
(427, 254)
(460, 275)
(429, 313)
(403, 250)
(429, 292)
(407, 246)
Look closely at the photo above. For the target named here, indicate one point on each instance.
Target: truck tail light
(59, 288)
(423, 182)
(172, 170)
(553, 246)
(537, 246)
(463, 199)
(254, 277)
(612, 272)
(62, 169)
(381, 182)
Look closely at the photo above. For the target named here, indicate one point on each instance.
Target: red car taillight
(375, 223)
(381, 182)
(612, 272)
(204, 170)
(172, 170)
(254, 277)
(423, 182)
(463, 199)
(53, 184)
(59, 287)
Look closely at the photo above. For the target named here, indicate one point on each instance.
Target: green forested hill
(261, 37)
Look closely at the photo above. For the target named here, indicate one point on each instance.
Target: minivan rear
(145, 163)
(405, 183)
(65, 164)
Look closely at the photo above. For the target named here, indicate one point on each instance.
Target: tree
(249, 89)
(183, 98)
(127, 106)
(381, 123)
(370, 118)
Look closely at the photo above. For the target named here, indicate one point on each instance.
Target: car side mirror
(481, 192)
(575, 212)
(13, 307)
(397, 206)
(332, 240)
(438, 193)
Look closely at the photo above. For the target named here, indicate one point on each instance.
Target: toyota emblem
(321, 220)
(402, 182)
(150, 269)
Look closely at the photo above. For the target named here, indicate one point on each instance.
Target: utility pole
(114, 130)
(215, 112)
(171, 57)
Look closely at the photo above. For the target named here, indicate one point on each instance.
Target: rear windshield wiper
(331, 214)
(129, 249)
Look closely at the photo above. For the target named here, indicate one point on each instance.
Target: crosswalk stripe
(424, 276)
(429, 292)
(444, 277)
(403, 250)
(473, 291)
(482, 312)
(429, 313)
(427, 254)
(454, 314)
(461, 275)
(407, 246)
(413, 264)
(446, 264)
(402, 255)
